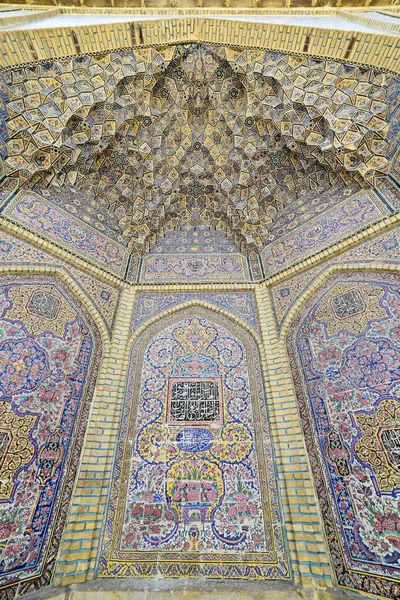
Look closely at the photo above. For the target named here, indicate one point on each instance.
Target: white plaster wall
(75, 20)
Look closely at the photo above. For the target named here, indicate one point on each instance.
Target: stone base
(169, 589)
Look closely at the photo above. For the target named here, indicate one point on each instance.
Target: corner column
(302, 520)
(82, 534)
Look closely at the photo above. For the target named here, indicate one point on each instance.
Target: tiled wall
(308, 554)
(31, 210)
(322, 230)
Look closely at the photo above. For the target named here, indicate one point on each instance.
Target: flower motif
(7, 529)
(129, 538)
(329, 355)
(22, 365)
(395, 333)
(211, 495)
(372, 363)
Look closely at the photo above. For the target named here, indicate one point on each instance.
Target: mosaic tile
(230, 267)
(194, 239)
(104, 296)
(349, 216)
(241, 304)
(133, 271)
(7, 187)
(93, 211)
(203, 501)
(345, 353)
(389, 190)
(53, 223)
(384, 247)
(49, 355)
(257, 273)
(393, 98)
(395, 166)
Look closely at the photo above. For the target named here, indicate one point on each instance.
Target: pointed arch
(316, 283)
(71, 284)
(208, 364)
(195, 302)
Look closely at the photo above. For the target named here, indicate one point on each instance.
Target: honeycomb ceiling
(163, 137)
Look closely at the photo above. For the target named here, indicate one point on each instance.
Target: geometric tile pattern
(194, 239)
(395, 164)
(91, 210)
(194, 133)
(393, 116)
(49, 355)
(345, 354)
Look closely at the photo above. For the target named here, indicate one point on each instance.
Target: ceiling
(195, 133)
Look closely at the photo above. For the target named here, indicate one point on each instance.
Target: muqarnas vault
(199, 306)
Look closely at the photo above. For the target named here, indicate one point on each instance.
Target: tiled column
(82, 535)
(303, 526)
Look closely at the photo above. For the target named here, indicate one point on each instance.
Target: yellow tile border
(280, 391)
(102, 425)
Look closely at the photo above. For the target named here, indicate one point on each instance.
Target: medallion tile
(345, 365)
(14, 251)
(384, 247)
(48, 364)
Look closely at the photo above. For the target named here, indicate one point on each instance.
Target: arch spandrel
(319, 281)
(68, 281)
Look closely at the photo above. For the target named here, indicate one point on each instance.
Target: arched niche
(193, 491)
(344, 351)
(50, 349)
